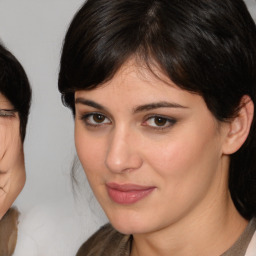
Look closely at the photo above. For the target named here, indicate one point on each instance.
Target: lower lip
(128, 197)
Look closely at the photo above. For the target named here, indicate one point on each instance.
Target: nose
(123, 154)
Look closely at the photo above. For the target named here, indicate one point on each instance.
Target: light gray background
(53, 222)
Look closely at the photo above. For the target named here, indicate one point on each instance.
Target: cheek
(90, 151)
(10, 145)
(188, 161)
(189, 146)
(91, 156)
(12, 178)
(185, 170)
(4, 140)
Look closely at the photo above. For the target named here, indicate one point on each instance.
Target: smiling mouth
(128, 193)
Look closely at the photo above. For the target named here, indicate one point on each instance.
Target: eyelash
(7, 113)
(168, 122)
(85, 119)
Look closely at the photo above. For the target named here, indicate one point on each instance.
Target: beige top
(8, 232)
(108, 242)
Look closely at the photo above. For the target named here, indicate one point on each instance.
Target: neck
(210, 230)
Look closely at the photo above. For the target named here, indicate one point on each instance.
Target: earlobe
(239, 127)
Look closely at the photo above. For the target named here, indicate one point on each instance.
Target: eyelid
(7, 112)
(84, 117)
(170, 120)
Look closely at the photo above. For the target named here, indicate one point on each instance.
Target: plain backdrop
(54, 219)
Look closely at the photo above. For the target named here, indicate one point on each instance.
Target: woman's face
(152, 152)
(12, 171)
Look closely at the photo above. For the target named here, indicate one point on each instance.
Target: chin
(128, 230)
(130, 224)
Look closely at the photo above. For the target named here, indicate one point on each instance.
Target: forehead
(4, 102)
(137, 77)
(149, 72)
(134, 74)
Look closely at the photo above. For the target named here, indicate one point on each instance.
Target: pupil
(160, 121)
(98, 118)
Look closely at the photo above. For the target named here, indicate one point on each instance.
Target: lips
(128, 193)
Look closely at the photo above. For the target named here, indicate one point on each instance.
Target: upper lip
(128, 187)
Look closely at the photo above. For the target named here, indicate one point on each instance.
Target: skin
(12, 169)
(185, 159)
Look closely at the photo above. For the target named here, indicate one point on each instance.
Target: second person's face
(12, 170)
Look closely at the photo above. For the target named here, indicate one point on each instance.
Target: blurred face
(152, 152)
(12, 171)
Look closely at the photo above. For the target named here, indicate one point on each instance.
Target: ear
(239, 127)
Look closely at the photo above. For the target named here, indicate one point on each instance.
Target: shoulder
(106, 241)
(8, 231)
(251, 250)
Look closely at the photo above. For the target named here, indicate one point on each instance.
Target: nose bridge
(122, 153)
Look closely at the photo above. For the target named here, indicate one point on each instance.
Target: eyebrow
(89, 103)
(141, 108)
(162, 104)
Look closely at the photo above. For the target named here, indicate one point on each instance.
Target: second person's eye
(7, 112)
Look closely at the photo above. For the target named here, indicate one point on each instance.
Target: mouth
(128, 193)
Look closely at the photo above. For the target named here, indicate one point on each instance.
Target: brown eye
(98, 118)
(160, 121)
(95, 119)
